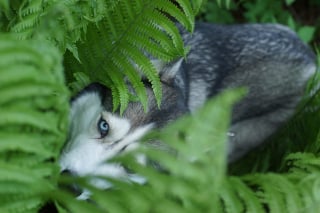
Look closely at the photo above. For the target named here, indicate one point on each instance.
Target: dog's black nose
(71, 187)
(66, 172)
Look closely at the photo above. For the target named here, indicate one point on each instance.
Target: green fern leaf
(122, 90)
(196, 5)
(229, 198)
(134, 79)
(162, 48)
(149, 71)
(129, 31)
(269, 194)
(28, 19)
(12, 142)
(33, 122)
(115, 98)
(278, 192)
(185, 16)
(4, 4)
(250, 201)
(308, 186)
(81, 80)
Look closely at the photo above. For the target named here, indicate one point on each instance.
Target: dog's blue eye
(103, 127)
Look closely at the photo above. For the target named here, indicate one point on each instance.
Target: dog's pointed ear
(168, 71)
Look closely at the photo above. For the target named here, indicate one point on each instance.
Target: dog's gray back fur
(269, 59)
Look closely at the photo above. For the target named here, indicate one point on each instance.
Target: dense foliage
(301, 16)
(50, 46)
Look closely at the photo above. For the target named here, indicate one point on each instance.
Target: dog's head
(96, 134)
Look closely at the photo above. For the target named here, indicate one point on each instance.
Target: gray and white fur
(269, 59)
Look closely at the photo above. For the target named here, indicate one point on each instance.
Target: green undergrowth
(50, 49)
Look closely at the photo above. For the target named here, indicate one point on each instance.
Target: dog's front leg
(250, 133)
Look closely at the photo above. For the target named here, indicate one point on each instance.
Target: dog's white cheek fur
(89, 157)
(84, 156)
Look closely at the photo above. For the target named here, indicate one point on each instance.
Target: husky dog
(269, 59)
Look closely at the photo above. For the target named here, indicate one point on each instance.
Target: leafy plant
(37, 34)
(115, 25)
(34, 112)
(273, 11)
(44, 41)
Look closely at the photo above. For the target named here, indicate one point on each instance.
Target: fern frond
(12, 142)
(30, 138)
(278, 193)
(28, 18)
(185, 16)
(81, 80)
(165, 41)
(129, 32)
(130, 72)
(303, 162)
(230, 199)
(308, 186)
(196, 5)
(122, 90)
(289, 191)
(120, 25)
(246, 195)
(4, 4)
(227, 3)
(115, 97)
